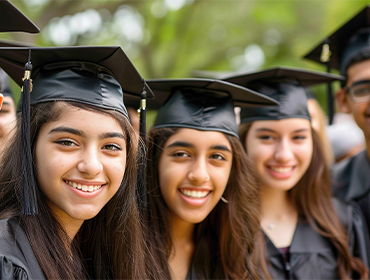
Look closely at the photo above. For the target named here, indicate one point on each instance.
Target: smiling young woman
(70, 210)
(201, 213)
(305, 233)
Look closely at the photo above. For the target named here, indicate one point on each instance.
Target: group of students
(217, 200)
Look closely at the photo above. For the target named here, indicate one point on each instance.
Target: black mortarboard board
(201, 104)
(351, 40)
(98, 76)
(283, 84)
(66, 68)
(12, 19)
(5, 88)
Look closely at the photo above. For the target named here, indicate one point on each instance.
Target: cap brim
(241, 96)
(305, 77)
(13, 20)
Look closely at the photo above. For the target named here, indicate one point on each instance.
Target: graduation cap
(98, 76)
(201, 104)
(350, 42)
(286, 85)
(12, 19)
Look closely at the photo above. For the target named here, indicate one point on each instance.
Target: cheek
(304, 153)
(221, 177)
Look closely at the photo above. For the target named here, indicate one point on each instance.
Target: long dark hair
(224, 241)
(311, 197)
(110, 245)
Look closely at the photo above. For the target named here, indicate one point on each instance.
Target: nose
(90, 164)
(283, 152)
(198, 173)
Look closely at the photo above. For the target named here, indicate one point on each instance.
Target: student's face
(280, 151)
(361, 110)
(194, 169)
(81, 161)
(7, 118)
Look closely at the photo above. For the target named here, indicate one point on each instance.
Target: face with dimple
(281, 151)
(361, 110)
(81, 159)
(194, 168)
(7, 118)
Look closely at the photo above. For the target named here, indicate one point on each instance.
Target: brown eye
(112, 147)
(179, 155)
(65, 142)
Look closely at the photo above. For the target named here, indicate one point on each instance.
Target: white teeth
(195, 194)
(84, 188)
(282, 169)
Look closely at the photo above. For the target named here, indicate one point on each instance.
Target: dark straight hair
(311, 196)
(224, 241)
(110, 245)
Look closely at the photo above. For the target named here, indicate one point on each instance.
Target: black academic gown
(17, 260)
(312, 256)
(192, 275)
(351, 182)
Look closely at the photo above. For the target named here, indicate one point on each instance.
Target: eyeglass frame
(349, 90)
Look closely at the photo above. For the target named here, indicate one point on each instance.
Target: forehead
(199, 138)
(358, 71)
(284, 125)
(69, 115)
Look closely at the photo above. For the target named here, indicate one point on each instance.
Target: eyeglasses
(359, 91)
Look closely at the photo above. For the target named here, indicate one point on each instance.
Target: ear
(1, 100)
(342, 100)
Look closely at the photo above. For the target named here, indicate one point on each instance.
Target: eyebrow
(221, 147)
(271, 130)
(82, 134)
(68, 129)
(181, 144)
(188, 145)
(111, 135)
(6, 103)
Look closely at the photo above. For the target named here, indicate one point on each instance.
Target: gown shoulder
(17, 260)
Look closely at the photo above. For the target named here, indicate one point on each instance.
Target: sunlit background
(187, 38)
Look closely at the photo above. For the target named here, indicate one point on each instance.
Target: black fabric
(12, 19)
(192, 274)
(292, 98)
(17, 260)
(347, 42)
(351, 182)
(312, 256)
(283, 84)
(100, 76)
(201, 104)
(187, 109)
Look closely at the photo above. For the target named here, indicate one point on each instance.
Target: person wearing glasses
(349, 50)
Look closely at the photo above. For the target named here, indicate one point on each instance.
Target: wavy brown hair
(110, 245)
(311, 196)
(224, 241)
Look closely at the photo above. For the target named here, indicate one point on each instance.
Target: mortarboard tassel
(143, 113)
(325, 57)
(141, 172)
(28, 181)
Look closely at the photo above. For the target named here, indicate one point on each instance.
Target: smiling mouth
(194, 194)
(282, 170)
(84, 188)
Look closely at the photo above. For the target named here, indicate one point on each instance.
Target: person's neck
(181, 232)
(275, 204)
(182, 235)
